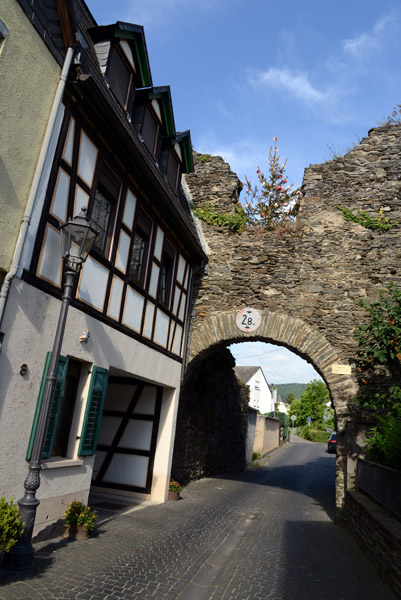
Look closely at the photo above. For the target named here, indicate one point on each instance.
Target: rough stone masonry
(307, 282)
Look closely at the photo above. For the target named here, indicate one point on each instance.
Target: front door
(128, 435)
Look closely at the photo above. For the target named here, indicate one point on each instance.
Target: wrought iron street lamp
(78, 236)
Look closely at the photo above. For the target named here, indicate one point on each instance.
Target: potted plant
(174, 490)
(80, 520)
(11, 525)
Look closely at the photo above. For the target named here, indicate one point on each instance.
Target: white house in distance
(260, 397)
(281, 406)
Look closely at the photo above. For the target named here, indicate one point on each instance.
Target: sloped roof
(245, 373)
(45, 18)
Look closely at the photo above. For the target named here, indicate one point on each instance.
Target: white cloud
(297, 83)
(243, 157)
(361, 45)
(364, 44)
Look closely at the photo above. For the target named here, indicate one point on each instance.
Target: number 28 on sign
(248, 319)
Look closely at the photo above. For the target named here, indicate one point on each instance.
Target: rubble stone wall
(306, 282)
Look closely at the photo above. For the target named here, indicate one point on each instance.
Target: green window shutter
(51, 430)
(93, 413)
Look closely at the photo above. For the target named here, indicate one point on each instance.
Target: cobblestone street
(264, 534)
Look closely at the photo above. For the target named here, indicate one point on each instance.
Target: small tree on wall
(276, 202)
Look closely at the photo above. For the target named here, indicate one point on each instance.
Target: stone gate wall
(307, 282)
(212, 421)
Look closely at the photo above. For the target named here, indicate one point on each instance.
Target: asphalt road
(265, 534)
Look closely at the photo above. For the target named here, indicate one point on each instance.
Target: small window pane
(93, 283)
(60, 198)
(101, 215)
(115, 298)
(122, 252)
(159, 244)
(87, 159)
(133, 310)
(129, 209)
(103, 206)
(154, 280)
(161, 329)
(148, 326)
(140, 250)
(166, 275)
(137, 264)
(181, 269)
(67, 154)
(49, 267)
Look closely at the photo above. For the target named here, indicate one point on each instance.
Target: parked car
(332, 443)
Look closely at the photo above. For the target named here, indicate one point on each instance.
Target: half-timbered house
(114, 150)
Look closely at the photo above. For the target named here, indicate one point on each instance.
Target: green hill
(283, 389)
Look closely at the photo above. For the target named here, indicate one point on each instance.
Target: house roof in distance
(245, 373)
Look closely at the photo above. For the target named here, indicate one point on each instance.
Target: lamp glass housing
(77, 238)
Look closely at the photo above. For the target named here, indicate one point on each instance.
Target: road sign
(248, 320)
(293, 418)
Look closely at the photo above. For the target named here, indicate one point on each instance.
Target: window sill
(56, 463)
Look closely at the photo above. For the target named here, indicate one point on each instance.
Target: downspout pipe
(26, 219)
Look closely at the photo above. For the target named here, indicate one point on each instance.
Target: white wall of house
(30, 323)
(260, 395)
(282, 407)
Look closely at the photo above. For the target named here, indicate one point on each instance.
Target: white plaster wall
(165, 445)
(29, 324)
(265, 398)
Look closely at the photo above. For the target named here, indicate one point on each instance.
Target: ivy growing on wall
(379, 223)
(235, 221)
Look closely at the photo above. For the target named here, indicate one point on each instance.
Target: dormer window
(121, 73)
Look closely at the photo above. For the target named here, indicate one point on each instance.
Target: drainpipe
(26, 219)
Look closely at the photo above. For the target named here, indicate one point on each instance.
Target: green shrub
(235, 221)
(313, 435)
(11, 526)
(384, 441)
(256, 456)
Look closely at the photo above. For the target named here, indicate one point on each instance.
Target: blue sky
(317, 75)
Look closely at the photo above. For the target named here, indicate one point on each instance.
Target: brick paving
(264, 534)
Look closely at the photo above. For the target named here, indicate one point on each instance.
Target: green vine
(236, 221)
(379, 223)
(204, 158)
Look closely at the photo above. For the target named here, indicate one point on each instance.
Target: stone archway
(307, 281)
(221, 330)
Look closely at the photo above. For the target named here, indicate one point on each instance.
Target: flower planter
(76, 532)
(173, 495)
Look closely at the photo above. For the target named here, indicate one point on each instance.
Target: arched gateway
(306, 282)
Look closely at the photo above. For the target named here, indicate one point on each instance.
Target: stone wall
(267, 435)
(250, 435)
(211, 421)
(307, 282)
(378, 534)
